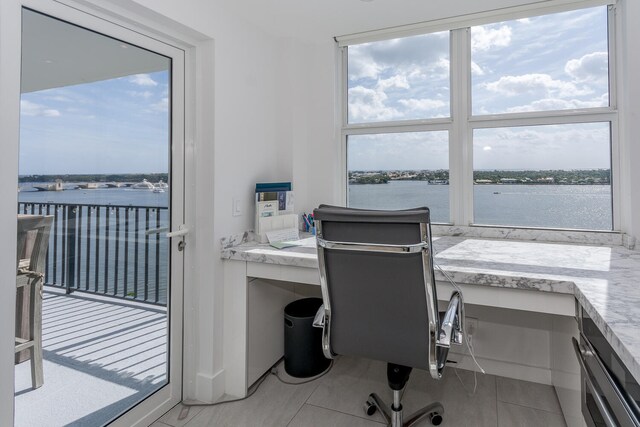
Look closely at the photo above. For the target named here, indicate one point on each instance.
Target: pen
(307, 224)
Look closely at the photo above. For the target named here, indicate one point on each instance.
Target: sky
(552, 62)
(113, 126)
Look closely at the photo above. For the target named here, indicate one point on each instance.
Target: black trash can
(303, 355)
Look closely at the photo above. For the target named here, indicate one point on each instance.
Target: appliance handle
(580, 353)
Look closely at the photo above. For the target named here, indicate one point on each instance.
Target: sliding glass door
(101, 160)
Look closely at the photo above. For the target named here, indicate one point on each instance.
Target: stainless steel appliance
(610, 394)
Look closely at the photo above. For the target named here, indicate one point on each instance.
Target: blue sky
(552, 62)
(112, 126)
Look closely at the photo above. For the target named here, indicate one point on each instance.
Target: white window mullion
(619, 173)
(460, 148)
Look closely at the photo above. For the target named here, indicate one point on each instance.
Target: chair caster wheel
(369, 407)
(436, 418)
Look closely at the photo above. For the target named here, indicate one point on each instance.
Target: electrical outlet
(471, 325)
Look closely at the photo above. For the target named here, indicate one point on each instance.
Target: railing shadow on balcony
(113, 250)
(101, 356)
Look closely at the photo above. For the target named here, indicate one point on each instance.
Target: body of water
(100, 196)
(112, 251)
(554, 206)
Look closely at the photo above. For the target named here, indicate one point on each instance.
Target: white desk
(539, 277)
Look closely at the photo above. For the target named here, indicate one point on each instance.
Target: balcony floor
(101, 355)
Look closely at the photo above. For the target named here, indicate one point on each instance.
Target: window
(382, 176)
(523, 137)
(400, 79)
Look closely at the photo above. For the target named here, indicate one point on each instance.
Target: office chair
(380, 301)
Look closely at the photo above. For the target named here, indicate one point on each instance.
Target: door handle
(595, 392)
(181, 231)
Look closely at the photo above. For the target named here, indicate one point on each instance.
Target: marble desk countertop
(604, 279)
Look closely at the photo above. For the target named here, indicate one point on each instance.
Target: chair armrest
(318, 321)
(452, 324)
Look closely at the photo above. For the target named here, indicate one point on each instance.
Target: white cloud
(161, 106)
(560, 104)
(403, 55)
(542, 85)
(524, 21)
(397, 81)
(140, 94)
(369, 104)
(142, 80)
(476, 70)
(29, 108)
(570, 146)
(590, 67)
(362, 66)
(484, 37)
(422, 104)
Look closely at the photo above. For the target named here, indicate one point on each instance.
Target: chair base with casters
(397, 376)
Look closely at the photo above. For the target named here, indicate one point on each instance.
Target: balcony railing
(106, 249)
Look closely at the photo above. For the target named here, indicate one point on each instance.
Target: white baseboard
(504, 369)
(209, 388)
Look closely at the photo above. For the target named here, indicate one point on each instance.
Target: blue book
(265, 187)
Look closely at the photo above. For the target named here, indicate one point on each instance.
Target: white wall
(510, 343)
(630, 61)
(248, 127)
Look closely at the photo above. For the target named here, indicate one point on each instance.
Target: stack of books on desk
(274, 208)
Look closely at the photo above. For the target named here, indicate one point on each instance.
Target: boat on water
(144, 185)
(158, 190)
(162, 185)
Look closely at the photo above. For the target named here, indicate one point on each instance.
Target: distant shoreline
(488, 177)
(72, 178)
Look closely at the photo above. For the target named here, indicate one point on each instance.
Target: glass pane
(399, 171)
(94, 157)
(550, 62)
(543, 176)
(400, 79)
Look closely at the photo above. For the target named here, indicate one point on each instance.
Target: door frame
(182, 160)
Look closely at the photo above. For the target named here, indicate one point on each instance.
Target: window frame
(462, 122)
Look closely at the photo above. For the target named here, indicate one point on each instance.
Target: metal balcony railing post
(82, 243)
(71, 231)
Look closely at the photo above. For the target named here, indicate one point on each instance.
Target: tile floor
(337, 399)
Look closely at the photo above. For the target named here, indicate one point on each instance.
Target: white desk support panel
(253, 316)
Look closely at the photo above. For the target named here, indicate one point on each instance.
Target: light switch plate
(236, 207)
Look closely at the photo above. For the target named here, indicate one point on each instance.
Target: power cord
(468, 340)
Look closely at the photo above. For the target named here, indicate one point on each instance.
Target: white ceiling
(56, 54)
(322, 19)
